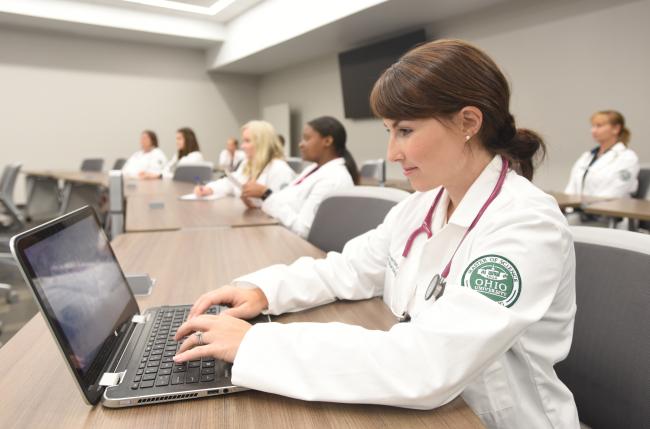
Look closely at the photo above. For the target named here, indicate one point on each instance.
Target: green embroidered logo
(494, 277)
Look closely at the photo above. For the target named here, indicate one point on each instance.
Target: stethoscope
(437, 284)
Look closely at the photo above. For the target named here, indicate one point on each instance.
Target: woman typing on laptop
(478, 265)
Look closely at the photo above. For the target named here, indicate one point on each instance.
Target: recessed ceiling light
(216, 7)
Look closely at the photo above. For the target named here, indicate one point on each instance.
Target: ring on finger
(199, 337)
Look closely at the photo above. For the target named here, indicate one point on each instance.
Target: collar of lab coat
(475, 196)
(329, 164)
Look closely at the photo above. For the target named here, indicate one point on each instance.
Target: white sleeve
(157, 162)
(356, 273)
(222, 187)
(224, 161)
(279, 175)
(624, 180)
(429, 361)
(300, 221)
(574, 185)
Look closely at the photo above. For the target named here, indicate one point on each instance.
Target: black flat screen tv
(361, 67)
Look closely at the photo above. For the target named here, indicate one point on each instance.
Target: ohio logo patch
(494, 277)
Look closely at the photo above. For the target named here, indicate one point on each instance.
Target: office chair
(92, 164)
(643, 193)
(374, 169)
(608, 367)
(15, 217)
(115, 220)
(347, 213)
(194, 173)
(119, 163)
(297, 164)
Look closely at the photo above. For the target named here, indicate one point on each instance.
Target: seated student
(188, 153)
(610, 169)
(150, 159)
(231, 156)
(323, 143)
(264, 164)
(478, 265)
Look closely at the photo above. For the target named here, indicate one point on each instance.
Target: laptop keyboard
(157, 366)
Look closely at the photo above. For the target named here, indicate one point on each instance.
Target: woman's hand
(220, 335)
(202, 191)
(248, 203)
(253, 189)
(243, 303)
(149, 175)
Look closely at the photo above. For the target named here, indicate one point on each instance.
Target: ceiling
(243, 36)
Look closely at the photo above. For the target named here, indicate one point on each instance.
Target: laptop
(117, 354)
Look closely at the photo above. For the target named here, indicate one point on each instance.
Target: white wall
(64, 98)
(564, 59)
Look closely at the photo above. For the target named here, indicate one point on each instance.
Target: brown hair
(616, 118)
(152, 136)
(438, 79)
(191, 144)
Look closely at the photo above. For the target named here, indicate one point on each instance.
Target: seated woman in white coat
(323, 143)
(187, 153)
(478, 265)
(231, 157)
(150, 159)
(264, 164)
(610, 169)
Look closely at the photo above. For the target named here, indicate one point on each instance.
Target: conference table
(37, 391)
(621, 207)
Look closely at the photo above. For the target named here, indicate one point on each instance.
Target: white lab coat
(499, 358)
(276, 175)
(295, 206)
(227, 161)
(614, 174)
(190, 158)
(148, 162)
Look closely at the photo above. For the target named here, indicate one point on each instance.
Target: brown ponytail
(438, 79)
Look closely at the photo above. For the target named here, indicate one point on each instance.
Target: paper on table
(193, 197)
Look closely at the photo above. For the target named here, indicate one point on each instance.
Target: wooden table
(621, 207)
(84, 177)
(156, 187)
(566, 201)
(404, 185)
(36, 390)
(145, 213)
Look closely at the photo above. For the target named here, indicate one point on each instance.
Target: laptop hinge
(110, 379)
(139, 318)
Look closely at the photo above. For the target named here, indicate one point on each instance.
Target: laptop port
(213, 392)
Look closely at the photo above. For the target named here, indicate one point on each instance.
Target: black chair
(337, 219)
(14, 216)
(194, 173)
(119, 163)
(92, 164)
(608, 367)
(643, 192)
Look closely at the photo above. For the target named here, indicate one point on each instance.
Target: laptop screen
(81, 289)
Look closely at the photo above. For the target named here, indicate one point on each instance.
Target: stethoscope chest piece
(436, 287)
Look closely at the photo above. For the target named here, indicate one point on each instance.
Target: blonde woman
(264, 164)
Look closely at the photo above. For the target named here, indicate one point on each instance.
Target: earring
(467, 138)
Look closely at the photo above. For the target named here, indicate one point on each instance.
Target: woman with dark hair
(478, 265)
(611, 168)
(149, 160)
(188, 152)
(323, 143)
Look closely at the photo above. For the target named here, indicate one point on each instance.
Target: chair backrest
(8, 181)
(347, 213)
(643, 191)
(374, 169)
(608, 367)
(297, 164)
(193, 173)
(92, 164)
(119, 163)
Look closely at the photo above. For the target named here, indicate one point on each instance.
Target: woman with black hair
(323, 143)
